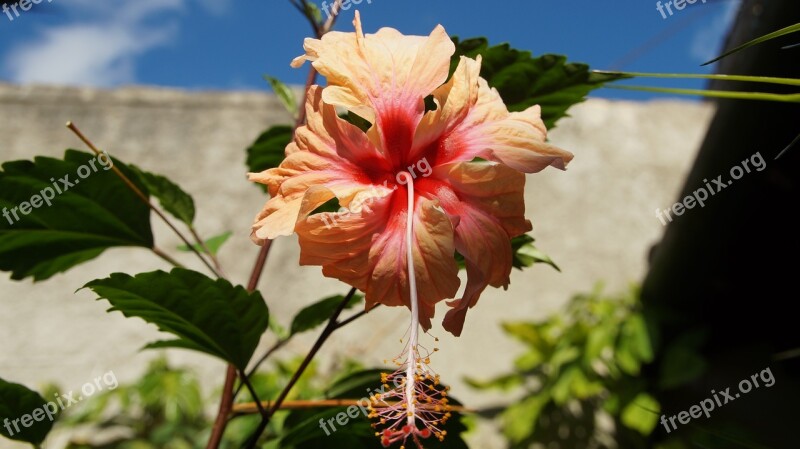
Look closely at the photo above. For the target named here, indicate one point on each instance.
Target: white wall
(596, 220)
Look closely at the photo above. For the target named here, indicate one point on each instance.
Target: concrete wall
(596, 220)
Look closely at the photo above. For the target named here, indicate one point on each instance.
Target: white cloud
(216, 7)
(706, 42)
(100, 48)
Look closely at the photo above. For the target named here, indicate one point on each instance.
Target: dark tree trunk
(725, 276)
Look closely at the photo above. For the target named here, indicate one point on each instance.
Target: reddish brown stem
(226, 403)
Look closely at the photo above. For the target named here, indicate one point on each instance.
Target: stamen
(417, 396)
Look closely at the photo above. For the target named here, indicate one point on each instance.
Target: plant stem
(228, 393)
(206, 250)
(143, 197)
(250, 408)
(246, 381)
(282, 342)
(333, 324)
(226, 402)
(160, 253)
(225, 406)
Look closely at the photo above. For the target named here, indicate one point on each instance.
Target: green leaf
(213, 244)
(634, 331)
(520, 420)
(313, 12)
(284, 93)
(20, 406)
(782, 32)
(269, 149)
(526, 254)
(95, 213)
(319, 312)
(355, 385)
(504, 383)
(641, 414)
(210, 316)
(302, 428)
(680, 366)
(357, 121)
(523, 80)
(172, 198)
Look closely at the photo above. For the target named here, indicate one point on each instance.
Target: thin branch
(282, 342)
(356, 316)
(333, 324)
(246, 381)
(207, 250)
(225, 406)
(227, 398)
(250, 408)
(142, 196)
(275, 347)
(160, 253)
(226, 402)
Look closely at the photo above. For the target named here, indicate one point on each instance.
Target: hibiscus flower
(466, 161)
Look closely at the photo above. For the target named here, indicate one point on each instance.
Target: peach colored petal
(488, 130)
(367, 250)
(326, 152)
(486, 248)
(379, 69)
(493, 188)
(453, 100)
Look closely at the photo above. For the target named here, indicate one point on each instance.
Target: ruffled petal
(486, 201)
(326, 152)
(487, 130)
(368, 251)
(486, 248)
(493, 188)
(383, 77)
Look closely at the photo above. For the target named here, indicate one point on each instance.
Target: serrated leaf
(210, 316)
(316, 314)
(213, 244)
(523, 80)
(269, 150)
(284, 93)
(173, 199)
(18, 407)
(89, 216)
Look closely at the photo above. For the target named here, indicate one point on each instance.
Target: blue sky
(229, 44)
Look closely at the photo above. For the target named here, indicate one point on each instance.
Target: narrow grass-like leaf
(775, 34)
